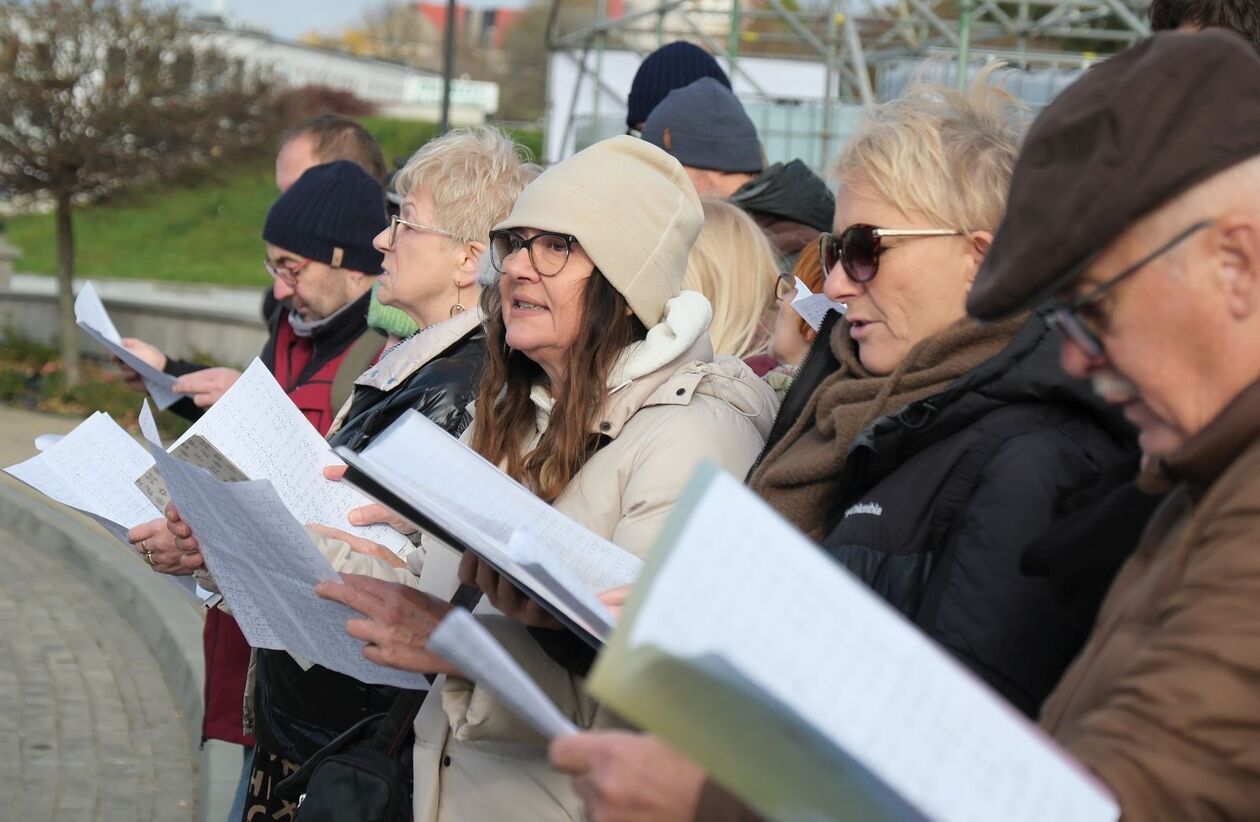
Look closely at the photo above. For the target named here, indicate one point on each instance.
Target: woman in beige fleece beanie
(601, 396)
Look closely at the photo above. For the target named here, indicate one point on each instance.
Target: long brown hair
(505, 414)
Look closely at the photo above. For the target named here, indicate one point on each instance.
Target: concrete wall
(181, 320)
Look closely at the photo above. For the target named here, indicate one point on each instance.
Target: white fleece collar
(686, 320)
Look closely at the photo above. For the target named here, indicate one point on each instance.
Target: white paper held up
(816, 660)
(813, 307)
(461, 639)
(258, 428)
(267, 568)
(91, 316)
(93, 469)
(540, 567)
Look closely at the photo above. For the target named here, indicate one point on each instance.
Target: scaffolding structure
(857, 44)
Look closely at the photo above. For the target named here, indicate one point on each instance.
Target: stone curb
(164, 618)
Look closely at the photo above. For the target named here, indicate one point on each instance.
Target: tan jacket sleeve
(1178, 735)
(346, 561)
(667, 460)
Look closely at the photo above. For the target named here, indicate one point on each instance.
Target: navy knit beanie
(330, 215)
(672, 66)
(705, 126)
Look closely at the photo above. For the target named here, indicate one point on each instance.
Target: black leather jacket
(298, 712)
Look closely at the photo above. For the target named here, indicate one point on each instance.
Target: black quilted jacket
(938, 502)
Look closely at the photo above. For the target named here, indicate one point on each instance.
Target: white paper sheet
(93, 469)
(267, 568)
(742, 585)
(464, 493)
(461, 639)
(485, 509)
(258, 428)
(148, 425)
(544, 572)
(813, 307)
(91, 316)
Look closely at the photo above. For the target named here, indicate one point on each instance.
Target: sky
(289, 18)
(293, 18)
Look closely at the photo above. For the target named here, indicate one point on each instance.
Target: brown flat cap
(1127, 137)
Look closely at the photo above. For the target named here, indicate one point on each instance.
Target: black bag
(364, 775)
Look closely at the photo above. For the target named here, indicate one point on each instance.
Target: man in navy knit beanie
(672, 66)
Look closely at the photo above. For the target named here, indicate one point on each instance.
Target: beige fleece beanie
(633, 209)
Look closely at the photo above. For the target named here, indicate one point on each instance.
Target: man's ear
(469, 263)
(978, 243)
(1237, 251)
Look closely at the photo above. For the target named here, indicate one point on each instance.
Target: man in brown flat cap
(1136, 201)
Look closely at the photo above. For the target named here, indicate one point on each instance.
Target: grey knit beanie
(705, 126)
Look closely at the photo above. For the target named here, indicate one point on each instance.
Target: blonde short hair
(733, 264)
(474, 175)
(940, 152)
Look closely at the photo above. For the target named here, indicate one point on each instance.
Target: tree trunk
(69, 332)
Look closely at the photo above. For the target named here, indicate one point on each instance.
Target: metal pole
(964, 41)
(601, 15)
(830, 92)
(732, 40)
(448, 68)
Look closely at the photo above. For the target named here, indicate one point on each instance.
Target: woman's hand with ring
(157, 547)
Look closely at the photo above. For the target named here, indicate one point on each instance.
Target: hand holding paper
(399, 622)
(91, 316)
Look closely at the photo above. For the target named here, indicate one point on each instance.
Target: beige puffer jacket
(670, 407)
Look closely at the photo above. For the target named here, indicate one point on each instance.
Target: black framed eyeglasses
(1069, 321)
(858, 248)
(785, 286)
(548, 251)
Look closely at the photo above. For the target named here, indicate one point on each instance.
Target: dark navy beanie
(705, 126)
(330, 215)
(672, 66)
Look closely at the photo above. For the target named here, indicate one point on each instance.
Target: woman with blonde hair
(923, 450)
(733, 265)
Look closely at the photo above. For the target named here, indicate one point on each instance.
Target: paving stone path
(88, 727)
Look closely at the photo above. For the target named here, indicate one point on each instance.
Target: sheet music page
(91, 316)
(93, 469)
(562, 582)
(267, 567)
(461, 639)
(813, 307)
(260, 431)
(461, 491)
(148, 425)
(743, 585)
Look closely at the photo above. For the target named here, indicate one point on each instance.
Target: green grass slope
(208, 232)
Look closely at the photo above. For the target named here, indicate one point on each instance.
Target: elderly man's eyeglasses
(286, 270)
(859, 247)
(548, 251)
(1071, 319)
(395, 221)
